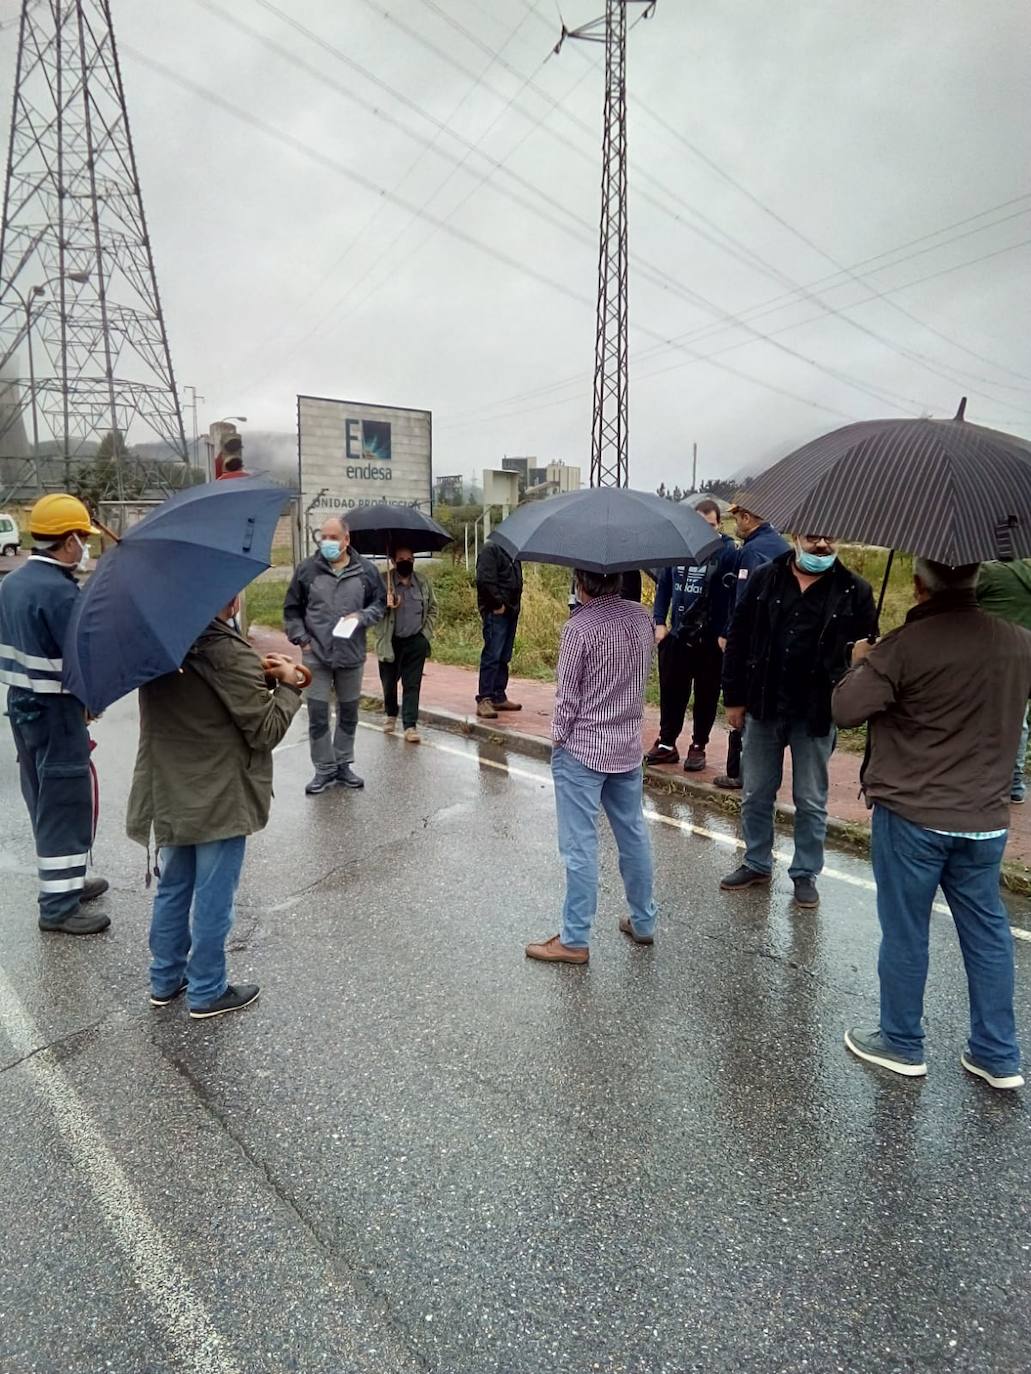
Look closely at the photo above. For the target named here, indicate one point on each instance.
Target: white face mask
(83, 562)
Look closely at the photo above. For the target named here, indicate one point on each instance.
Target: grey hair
(941, 577)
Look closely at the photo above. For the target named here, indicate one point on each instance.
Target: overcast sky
(288, 263)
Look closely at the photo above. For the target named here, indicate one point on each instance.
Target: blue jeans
(762, 768)
(1019, 784)
(204, 877)
(909, 864)
(579, 793)
(499, 632)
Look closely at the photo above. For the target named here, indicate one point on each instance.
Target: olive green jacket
(204, 766)
(1004, 589)
(385, 629)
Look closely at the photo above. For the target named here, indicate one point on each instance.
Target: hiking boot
(871, 1046)
(412, 735)
(553, 951)
(233, 999)
(321, 782)
(93, 888)
(662, 753)
(389, 724)
(695, 761)
(347, 777)
(743, 877)
(728, 783)
(485, 710)
(997, 1080)
(806, 894)
(507, 705)
(164, 999)
(78, 923)
(627, 927)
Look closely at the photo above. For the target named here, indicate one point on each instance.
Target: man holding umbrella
(787, 648)
(333, 598)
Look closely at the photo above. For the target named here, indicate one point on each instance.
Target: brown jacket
(945, 696)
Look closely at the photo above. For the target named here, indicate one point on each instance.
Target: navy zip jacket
(36, 604)
(678, 591)
(761, 546)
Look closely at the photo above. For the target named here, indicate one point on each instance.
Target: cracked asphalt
(420, 1152)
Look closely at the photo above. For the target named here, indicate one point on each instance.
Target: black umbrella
(607, 530)
(943, 489)
(380, 529)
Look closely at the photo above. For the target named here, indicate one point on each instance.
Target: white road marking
(158, 1275)
(657, 818)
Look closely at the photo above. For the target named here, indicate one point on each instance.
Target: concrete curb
(1016, 877)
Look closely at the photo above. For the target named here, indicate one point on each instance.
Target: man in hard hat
(48, 724)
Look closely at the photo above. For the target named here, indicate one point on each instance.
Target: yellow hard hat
(59, 514)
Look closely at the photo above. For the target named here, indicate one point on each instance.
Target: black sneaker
(695, 761)
(93, 888)
(806, 894)
(79, 923)
(662, 753)
(992, 1076)
(321, 782)
(871, 1046)
(233, 999)
(728, 783)
(743, 877)
(347, 777)
(165, 999)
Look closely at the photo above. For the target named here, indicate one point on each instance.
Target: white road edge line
(198, 1348)
(657, 818)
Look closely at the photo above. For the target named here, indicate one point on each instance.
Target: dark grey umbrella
(942, 489)
(381, 528)
(607, 530)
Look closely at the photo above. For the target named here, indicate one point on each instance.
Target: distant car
(10, 536)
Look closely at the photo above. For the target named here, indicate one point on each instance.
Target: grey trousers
(331, 751)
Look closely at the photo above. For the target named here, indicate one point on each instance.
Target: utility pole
(610, 428)
(73, 215)
(694, 467)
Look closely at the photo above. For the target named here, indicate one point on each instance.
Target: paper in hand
(345, 627)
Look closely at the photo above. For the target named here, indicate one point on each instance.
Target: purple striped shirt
(603, 666)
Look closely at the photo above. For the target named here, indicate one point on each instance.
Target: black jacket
(749, 676)
(499, 580)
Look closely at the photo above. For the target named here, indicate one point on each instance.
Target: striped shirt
(603, 665)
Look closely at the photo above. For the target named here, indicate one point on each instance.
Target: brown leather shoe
(626, 926)
(485, 710)
(507, 705)
(553, 951)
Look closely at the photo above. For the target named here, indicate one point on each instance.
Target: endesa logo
(368, 442)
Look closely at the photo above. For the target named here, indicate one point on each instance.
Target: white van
(10, 536)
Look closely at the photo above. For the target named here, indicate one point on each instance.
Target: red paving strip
(452, 689)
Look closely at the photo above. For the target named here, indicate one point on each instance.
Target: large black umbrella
(380, 529)
(942, 489)
(607, 530)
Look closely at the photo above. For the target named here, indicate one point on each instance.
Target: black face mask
(405, 567)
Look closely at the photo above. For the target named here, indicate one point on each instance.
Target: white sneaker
(997, 1080)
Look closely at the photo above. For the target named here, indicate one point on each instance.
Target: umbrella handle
(884, 584)
(110, 534)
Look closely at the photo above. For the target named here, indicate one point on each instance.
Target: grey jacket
(316, 600)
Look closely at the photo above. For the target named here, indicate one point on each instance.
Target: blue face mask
(813, 562)
(330, 549)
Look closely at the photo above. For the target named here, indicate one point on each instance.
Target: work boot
(871, 1046)
(695, 761)
(485, 710)
(997, 1080)
(412, 735)
(233, 999)
(78, 923)
(507, 705)
(661, 753)
(321, 782)
(806, 894)
(389, 724)
(743, 877)
(93, 888)
(627, 927)
(728, 783)
(347, 777)
(553, 951)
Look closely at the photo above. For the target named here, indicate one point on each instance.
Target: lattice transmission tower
(611, 421)
(83, 346)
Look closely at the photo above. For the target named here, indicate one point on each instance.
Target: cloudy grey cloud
(399, 205)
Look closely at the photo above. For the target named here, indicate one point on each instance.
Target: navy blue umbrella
(156, 590)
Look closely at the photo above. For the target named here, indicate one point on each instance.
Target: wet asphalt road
(420, 1152)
